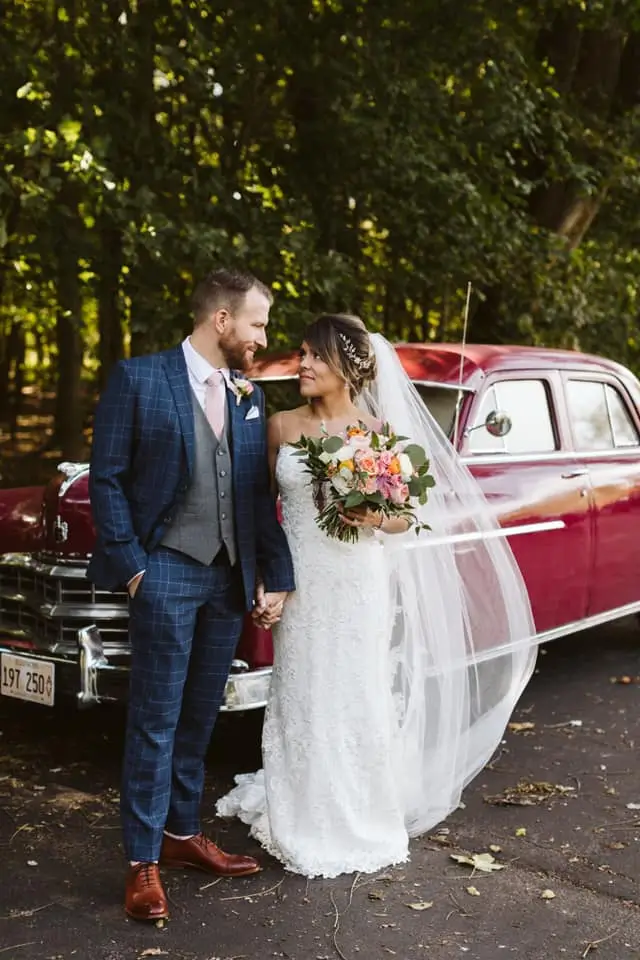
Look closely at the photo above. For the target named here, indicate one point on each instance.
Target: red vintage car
(552, 436)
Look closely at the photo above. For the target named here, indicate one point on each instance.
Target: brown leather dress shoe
(202, 854)
(145, 898)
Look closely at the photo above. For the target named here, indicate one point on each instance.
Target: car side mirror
(498, 423)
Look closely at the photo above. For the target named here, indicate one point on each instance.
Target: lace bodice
(299, 511)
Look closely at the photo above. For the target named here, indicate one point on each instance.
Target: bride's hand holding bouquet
(362, 476)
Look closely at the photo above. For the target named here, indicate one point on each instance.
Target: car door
(606, 437)
(540, 491)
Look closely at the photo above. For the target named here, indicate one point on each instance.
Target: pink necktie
(214, 402)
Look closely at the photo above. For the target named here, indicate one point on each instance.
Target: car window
(527, 404)
(599, 417)
(441, 404)
(624, 429)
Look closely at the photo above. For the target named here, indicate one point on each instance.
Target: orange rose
(394, 466)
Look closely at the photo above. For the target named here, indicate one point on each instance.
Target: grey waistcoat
(204, 519)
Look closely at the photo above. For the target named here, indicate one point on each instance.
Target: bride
(399, 658)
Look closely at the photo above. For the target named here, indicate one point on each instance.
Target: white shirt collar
(200, 368)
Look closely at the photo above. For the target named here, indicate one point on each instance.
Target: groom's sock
(176, 837)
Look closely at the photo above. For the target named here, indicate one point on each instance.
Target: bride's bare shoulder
(287, 425)
(373, 423)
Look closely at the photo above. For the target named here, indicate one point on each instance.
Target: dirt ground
(558, 809)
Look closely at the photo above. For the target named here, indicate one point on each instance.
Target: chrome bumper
(245, 689)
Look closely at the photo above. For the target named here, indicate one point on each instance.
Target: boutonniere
(241, 388)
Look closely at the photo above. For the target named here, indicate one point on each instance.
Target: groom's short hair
(224, 288)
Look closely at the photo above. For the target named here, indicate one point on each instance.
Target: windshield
(440, 401)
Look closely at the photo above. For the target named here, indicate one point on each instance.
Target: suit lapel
(178, 377)
(235, 416)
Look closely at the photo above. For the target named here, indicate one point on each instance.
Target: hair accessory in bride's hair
(351, 351)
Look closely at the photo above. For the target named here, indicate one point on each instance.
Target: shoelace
(209, 846)
(147, 874)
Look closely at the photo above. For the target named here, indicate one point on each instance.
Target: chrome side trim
(596, 620)
(457, 387)
(490, 459)
(515, 531)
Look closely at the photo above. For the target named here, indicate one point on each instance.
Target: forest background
(365, 155)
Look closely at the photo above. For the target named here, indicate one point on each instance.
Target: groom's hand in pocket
(134, 583)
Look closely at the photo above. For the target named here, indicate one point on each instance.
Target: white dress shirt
(199, 370)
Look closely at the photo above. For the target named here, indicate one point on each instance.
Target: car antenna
(465, 327)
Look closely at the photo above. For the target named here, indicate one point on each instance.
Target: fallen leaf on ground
(154, 952)
(522, 727)
(473, 891)
(421, 905)
(484, 862)
(527, 793)
(376, 895)
(521, 832)
(633, 806)
(495, 848)
(548, 895)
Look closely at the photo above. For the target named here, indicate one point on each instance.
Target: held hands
(268, 607)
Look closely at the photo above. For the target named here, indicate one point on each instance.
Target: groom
(185, 519)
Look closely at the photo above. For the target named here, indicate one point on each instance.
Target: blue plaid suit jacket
(141, 461)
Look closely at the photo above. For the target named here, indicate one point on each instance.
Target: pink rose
(369, 485)
(366, 461)
(399, 493)
(384, 461)
(384, 484)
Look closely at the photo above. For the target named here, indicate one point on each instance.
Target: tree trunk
(16, 397)
(68, 410)
(111, 347)
(6, 329)
(10, 362)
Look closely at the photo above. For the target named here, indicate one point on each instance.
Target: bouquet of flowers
(363, 468)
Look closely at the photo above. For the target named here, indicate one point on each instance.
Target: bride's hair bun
(342, 341)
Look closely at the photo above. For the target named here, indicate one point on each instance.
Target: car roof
(441, 362)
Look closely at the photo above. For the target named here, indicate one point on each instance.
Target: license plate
(26, 679)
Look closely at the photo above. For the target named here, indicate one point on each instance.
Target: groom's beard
(237, 353)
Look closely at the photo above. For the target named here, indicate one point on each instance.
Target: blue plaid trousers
(185, 622)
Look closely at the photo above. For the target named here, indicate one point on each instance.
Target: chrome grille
(17, 581)
(42, 587)
(46, 605)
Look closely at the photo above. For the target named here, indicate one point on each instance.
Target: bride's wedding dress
(327, 801)
(398, 662)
